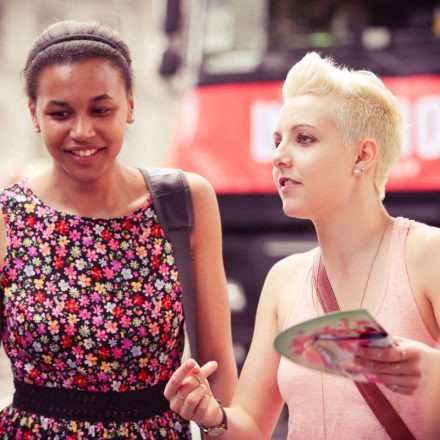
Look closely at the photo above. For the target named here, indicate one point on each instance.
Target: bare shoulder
(199, 185)
(423, 259)
(204, 201)
(206, 212)
(284, 282)
(290, 266)
(423, 244)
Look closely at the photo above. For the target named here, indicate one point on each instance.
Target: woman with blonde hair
(338, 134)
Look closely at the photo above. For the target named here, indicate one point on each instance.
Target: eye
(275, 145)
(276, 142)
(100, 111)
(304, 139)
(59, 115)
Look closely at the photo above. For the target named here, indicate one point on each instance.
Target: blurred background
(208, 79)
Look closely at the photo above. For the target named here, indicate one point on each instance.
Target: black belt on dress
(91, 406)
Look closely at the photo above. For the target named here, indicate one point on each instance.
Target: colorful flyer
(329, 343)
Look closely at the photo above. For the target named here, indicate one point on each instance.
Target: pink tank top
(314, 399)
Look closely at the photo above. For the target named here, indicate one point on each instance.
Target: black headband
(73, 37)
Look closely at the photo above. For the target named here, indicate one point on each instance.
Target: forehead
(305, 110)
(96, 76)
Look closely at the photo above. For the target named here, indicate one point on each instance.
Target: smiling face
(312, 167)
(82, 110)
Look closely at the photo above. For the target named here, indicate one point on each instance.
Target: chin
(295, 211)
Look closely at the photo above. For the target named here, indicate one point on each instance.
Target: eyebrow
(98, 98)
(294, 127)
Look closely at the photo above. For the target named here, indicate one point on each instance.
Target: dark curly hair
(68, 42)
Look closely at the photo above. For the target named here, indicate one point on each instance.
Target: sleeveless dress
(88, 304)
(316, 400)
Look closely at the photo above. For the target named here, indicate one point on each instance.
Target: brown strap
(376, 400)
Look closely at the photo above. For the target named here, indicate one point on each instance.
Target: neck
(350, 230)
(353, 252)
(105, 196)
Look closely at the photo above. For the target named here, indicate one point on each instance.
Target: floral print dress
(88, 304)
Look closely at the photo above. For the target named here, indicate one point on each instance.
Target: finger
(208, 369)
(178, 377)
(202, 408)
(385, 354)
(189, 384)
(176, 404)
(192, 401)
(179, 400)
(195, 379)
(401, 384)
(401, 389)
(201, 373)
(201, 376)
(405, 368)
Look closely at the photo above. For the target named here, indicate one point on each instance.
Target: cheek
(52, 139)
(117, 133)
(275, 176)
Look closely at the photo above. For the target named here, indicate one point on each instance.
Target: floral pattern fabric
(89, 304)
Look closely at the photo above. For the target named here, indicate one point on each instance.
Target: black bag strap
(172, 201)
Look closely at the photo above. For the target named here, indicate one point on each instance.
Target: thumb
(208, 369)
(202, 373)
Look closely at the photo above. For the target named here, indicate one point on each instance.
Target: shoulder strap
(376, 400)
(171, 196)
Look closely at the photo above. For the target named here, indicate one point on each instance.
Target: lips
(83, 151)
(84, 155)
(286, 182)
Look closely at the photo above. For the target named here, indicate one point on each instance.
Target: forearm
(240, 426)
(224, 382)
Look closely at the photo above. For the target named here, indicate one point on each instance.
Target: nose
(281, 157)
(82, 128)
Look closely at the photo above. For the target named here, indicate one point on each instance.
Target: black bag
(172, 201)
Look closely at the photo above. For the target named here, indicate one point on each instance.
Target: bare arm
(423, 259)
(414, 366)
(213, 313)
(257, 403)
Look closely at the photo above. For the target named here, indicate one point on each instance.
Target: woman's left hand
(404, 368)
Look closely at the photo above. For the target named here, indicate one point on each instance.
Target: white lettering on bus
(405, 108)
(263, 116)
(421, 136)
(428, 127)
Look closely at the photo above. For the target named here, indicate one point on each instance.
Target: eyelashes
(300, 139)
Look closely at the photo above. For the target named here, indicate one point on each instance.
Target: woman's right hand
(190, 396)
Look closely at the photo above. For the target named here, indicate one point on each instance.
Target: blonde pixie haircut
(363, 107)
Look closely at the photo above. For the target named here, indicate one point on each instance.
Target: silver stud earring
(37, 130)
(358, 171)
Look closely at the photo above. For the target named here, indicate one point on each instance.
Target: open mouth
(285, 182)
(84, 152)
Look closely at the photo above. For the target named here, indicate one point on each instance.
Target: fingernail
(190, 363)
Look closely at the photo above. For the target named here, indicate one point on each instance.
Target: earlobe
(130, 113)
(366, 156)
(33, 112)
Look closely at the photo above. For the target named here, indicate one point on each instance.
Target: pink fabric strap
(379, 404)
